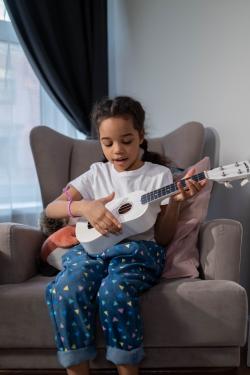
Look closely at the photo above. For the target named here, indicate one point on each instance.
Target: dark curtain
(66, 44)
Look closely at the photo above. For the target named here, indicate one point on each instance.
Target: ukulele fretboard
(169, 189)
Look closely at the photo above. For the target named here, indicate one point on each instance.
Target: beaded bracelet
(69, 199)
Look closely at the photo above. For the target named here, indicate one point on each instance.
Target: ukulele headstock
(225, 174)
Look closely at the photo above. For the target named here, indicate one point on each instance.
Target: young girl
(112, 281)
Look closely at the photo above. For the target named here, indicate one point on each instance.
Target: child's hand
(101, 218)
(193, 188)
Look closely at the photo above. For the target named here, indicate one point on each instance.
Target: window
(23, 105)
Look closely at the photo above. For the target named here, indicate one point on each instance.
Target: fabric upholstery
(155, 358)
(194, 313)
(218, 244)
(19, 250)
(184, 145)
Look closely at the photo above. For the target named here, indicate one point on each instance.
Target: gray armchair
(187, 322)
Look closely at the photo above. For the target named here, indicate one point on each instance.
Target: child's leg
(82, 369)
(71, 299)
(128, 370)
(134, 268)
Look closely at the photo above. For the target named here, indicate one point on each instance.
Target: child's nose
(118, 147)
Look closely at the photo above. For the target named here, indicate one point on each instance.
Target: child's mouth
(120, 161)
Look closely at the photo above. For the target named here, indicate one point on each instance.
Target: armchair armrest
(19, 248)
(220, 249)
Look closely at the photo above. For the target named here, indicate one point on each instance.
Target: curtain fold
(66, 43)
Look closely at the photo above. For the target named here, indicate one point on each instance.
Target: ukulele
(135, 215)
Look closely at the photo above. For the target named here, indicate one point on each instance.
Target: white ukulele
(133, 211)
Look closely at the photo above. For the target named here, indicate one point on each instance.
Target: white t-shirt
(102, 179)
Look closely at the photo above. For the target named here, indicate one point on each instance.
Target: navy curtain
(66, 44)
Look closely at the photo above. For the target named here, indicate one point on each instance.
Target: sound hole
(125, 208)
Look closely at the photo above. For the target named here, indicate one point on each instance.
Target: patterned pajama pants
(111, 284)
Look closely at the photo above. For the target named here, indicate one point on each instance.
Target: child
(112, 281)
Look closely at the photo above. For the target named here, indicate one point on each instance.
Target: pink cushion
(182, 257)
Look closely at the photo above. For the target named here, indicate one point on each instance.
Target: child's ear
(141, 135)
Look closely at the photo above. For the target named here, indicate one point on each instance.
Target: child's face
(120, 143)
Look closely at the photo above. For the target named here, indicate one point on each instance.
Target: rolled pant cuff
(75, 357)
(125, 357)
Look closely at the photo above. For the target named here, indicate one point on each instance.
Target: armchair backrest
(59, 159)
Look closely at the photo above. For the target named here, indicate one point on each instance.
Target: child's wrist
(174, 202)
(75, 208)
(69, 201)
(80, 208)
(86, 208)
(69, 211)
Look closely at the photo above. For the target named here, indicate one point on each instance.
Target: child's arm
(93, 210)
(166, 222)
(167, 219)
(59, 207)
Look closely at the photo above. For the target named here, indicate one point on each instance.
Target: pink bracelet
(69, 199)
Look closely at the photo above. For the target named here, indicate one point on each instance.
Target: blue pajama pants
(111, 284)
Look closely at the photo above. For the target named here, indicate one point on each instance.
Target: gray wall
(190, 60)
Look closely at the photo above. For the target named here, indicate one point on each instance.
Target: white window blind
(23, 105)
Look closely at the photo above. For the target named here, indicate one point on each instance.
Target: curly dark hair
(127, 107)
(49, 225)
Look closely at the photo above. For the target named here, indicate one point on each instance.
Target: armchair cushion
(19, 250)
(176, 313)
(219, 245)
(182, 258)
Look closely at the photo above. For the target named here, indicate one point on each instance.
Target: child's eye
(127, 142)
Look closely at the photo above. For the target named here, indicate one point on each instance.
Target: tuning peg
(228, 185)
(244, 182)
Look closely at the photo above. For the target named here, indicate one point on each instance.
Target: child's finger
(191, 172)
(192, 188)
(199, 185)
(181, 189)
(203, 182)
(194, 184)
(110, 226)
(114, 221)
(101, 229)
